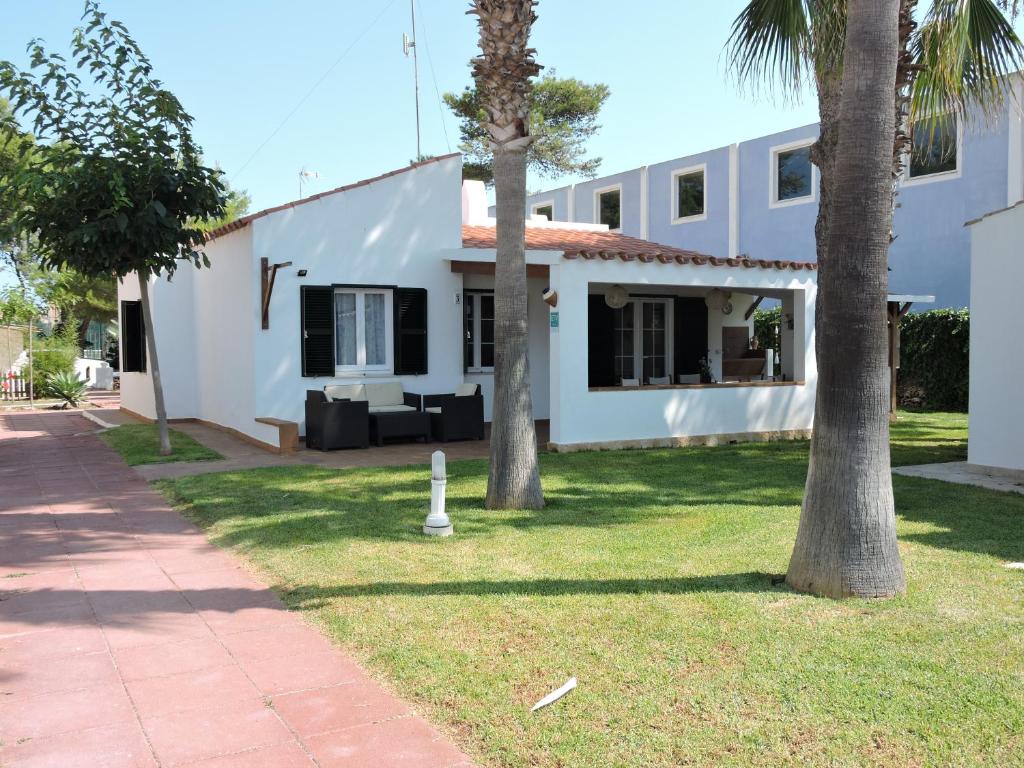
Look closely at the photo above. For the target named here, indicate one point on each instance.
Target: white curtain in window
(376, 345)
(345, 328)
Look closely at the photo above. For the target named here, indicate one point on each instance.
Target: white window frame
(597, 204)
(930, 178)
(674, 216)
(361, 368)
(474, 298)
(543, 204)
(638, 334)
(773, 175)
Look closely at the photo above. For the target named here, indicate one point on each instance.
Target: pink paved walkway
(127, 640)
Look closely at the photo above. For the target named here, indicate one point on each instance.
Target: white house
(392, 279)
(996, 412)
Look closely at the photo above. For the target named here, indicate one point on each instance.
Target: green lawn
(140, 444)
(648, 577)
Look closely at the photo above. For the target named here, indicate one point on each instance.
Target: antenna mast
(408, 44)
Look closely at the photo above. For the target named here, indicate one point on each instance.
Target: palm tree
(846, 542)
(503, 75)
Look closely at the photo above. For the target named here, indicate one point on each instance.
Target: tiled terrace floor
(241, 455)
(127, 640)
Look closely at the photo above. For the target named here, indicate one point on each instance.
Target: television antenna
(304, 175)
(409, 44)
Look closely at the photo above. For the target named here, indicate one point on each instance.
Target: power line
(437, 92)
(316, 85)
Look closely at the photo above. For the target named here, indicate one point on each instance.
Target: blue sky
(241, 66)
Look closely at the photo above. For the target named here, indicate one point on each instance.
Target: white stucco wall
(225, 318)
(176, 339)
(581, 416)
(390, 233)
(996, 411)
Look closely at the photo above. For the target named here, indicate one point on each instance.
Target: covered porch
(644, 345)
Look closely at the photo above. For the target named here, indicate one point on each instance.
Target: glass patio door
(642, 344)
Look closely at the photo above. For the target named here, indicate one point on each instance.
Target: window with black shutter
(317, 303)
(410, 330)
(133, 338)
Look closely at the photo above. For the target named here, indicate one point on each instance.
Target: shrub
(54, 355)
(66, 386)
(934, 359)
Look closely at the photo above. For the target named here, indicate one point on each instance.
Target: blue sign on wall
(554, 319)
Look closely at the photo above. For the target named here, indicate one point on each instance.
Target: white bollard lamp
(437, 522)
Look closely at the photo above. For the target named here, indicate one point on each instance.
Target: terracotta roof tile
(583, 244)
(248, 219)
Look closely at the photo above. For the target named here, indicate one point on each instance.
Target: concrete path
(126, 640)
(961, 472)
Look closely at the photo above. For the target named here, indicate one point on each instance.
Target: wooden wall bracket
(268, 273)
(753, 305)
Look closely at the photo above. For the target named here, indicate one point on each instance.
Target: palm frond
(963, 52)
(770, 44)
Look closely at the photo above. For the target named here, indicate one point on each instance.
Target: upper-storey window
(608, 204)
(545, 209)
(792, 174)
(934, 148)
(689, 194)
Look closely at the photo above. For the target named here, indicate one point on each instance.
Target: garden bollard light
(437, 523)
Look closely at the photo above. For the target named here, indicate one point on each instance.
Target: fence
(14, 387)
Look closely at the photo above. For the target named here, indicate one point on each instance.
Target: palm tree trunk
(513, 481)
(846, 542)
(154, 367)
(823, 154)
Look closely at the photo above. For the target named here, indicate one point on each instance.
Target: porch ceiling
(584, 244)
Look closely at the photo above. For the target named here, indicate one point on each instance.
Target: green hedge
(934, 359)
(767, 324)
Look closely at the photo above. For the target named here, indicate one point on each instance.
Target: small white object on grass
(1015, 566)
(554, 696)
(437, 522)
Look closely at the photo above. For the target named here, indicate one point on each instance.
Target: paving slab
(128, 641)
(963, 473)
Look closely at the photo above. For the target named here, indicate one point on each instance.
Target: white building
(392, 279)
(996, 411)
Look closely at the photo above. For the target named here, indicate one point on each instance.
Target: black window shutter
(600, 342)
(133, 337)
(317, 302)
(691, 334)
(410, 330)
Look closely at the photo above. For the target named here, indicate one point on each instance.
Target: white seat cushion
(464, 390)
(385, 393)
(434, 409)
(390, 408)
(345, 392)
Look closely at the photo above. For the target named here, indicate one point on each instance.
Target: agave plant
(68, 387)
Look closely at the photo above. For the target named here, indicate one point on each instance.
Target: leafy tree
(846, 542)
(503, 74)
(117, 183)
(16, 147)
(562, 117)
(236, 205)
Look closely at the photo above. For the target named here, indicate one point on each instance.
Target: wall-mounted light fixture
(550, 297)
(303, 272)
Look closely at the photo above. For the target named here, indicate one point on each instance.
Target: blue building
(759, 198)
